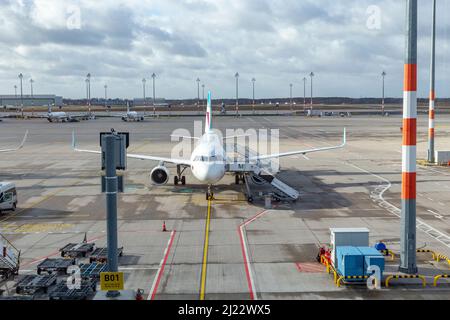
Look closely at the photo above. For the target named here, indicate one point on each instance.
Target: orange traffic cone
(164, 227)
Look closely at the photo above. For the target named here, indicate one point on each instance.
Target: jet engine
(159, 175)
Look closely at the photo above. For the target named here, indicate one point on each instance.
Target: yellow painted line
(205, 253)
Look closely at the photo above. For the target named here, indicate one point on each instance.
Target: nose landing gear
(209, 194)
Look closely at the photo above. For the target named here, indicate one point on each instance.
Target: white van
(8, 196)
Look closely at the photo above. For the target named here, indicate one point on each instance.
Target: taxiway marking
(162, 265)
(205, 253)
(248, 269)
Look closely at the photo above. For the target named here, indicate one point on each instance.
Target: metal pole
(290, 92)
(15, 95)
(106, 95)
(311, 75)
(408, 216)
(198, 93)
(111, 205)
(304, 93)
(32, 99)
(21, 93)
(154, 96)
(203, 96)
(432, 89)
(383, 74)
(89, 91)
(237, 93)
(253, 104)
(143, 88)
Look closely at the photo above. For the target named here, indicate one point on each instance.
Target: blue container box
(372, 257)
(350, 261)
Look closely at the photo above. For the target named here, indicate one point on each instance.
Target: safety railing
(406, 276)
(436, 278)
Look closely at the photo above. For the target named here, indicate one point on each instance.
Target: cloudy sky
(347, 43)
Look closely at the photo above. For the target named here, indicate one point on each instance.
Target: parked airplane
(19, 147)
(61, 116)
(209, 163)
(131, 115)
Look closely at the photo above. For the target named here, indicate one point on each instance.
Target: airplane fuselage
(132, 116)
(57, 116)
(208, 159)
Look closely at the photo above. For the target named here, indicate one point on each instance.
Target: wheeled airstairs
(9, 259)
(281, 191)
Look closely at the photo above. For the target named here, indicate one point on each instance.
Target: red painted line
(161, 270)
(247, 271)
(250, 220)
(244, 252)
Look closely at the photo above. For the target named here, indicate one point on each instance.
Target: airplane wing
(184, 137)
(302, 152)
(20, 146)
(135, 156)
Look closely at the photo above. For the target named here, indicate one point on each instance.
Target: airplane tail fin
(128, 107)
(208, 119)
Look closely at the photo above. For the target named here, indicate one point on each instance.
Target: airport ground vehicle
(8, 196)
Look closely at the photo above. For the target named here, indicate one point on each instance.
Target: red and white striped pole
(432, 91)
(408, 216)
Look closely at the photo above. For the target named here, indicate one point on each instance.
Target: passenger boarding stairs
(258, 171)
(9, 259)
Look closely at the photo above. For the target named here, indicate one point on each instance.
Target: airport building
(29, 101)
(159, 102)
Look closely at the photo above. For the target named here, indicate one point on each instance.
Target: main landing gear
(238, 178)
(179, 178)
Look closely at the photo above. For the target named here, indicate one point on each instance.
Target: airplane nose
(209, 173)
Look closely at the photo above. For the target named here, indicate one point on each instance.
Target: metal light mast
(237, 93)
(253, 103)
(21, 92)
(154, 94)
(143, 88)
(290, 92)
(383, 74)
(32, 100)
(304, 93)
(203, 95)
(88, 78)
(311, 75)
(198, 93)
(408, 196)
(432, 89)
(106, 94)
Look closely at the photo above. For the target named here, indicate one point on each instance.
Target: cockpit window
(208, 159)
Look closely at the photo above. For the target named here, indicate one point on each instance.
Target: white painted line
(435, 214)
(161, 267)
(421, 225)
(248, 267)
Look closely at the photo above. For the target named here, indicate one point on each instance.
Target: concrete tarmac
(269, 257)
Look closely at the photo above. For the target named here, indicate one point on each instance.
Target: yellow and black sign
(111, 281)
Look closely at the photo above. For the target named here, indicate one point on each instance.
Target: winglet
(344, 142)
(208, 118)
(20, 146)
(23, 140)
(73, 140)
